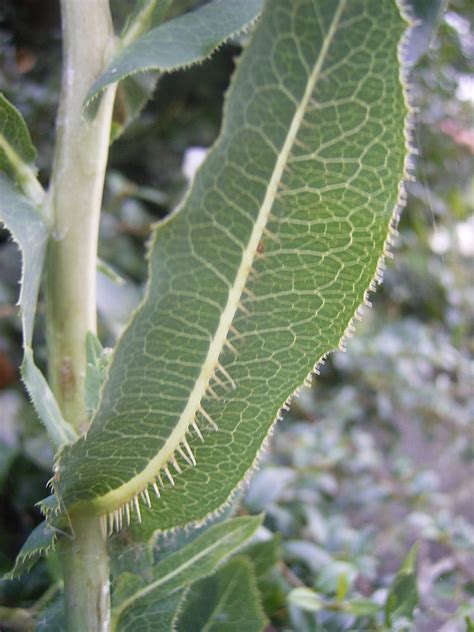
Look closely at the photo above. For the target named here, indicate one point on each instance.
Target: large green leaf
(260, 273)
(134, 595)
(226, 602)
(186, 40)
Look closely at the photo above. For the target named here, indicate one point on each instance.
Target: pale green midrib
(169, 576)
(117, 497)
(26, 175)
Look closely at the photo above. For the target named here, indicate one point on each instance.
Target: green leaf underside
(14, 136)
(226, 602)
(40, 541)
(179, 43)
(44, 402)
(30, 232)
(272, 251)
(152, 615)
(194, 561)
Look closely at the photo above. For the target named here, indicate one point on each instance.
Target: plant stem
(74, 203)
(85, 568)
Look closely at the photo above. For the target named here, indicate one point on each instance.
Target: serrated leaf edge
(115, 511)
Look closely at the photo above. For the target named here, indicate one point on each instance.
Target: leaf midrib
(123, 494)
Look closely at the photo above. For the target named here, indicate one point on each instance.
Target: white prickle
(231, 347)
(103, 525)
(212, 392)
(196, 430)
(249, 293)
(184, 456)
(175, 464)
(146, 497)
(189, 451)
(243, 309)
(208, 418)
(137, 508)
(169, 476)
(233, 330)
(218, 381)
(226, 374)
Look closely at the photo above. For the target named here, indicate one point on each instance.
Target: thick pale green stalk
(86, 577)
(75, 201)
(74, 204)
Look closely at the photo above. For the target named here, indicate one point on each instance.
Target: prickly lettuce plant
(257, 275)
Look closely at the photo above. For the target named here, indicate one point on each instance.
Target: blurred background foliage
(379, 453)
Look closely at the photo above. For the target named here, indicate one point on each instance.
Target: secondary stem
(74, 204)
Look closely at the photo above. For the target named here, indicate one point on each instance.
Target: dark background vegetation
(379, 453)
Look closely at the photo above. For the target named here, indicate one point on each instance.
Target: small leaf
(306, 599)
(469, 624)
(17, 152)
(107, 270)
(229, 600)
(44, 402)
(186, 40)
(192, 562)
(14, 136)
(98, 360)
(361, 607)
(134, 92)
(41, 540)
(402, 598)
(30, 231)
(336, 578)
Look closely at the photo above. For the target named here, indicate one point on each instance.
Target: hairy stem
(74, 203)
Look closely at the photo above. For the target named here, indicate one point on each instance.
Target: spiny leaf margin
(176, 509)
